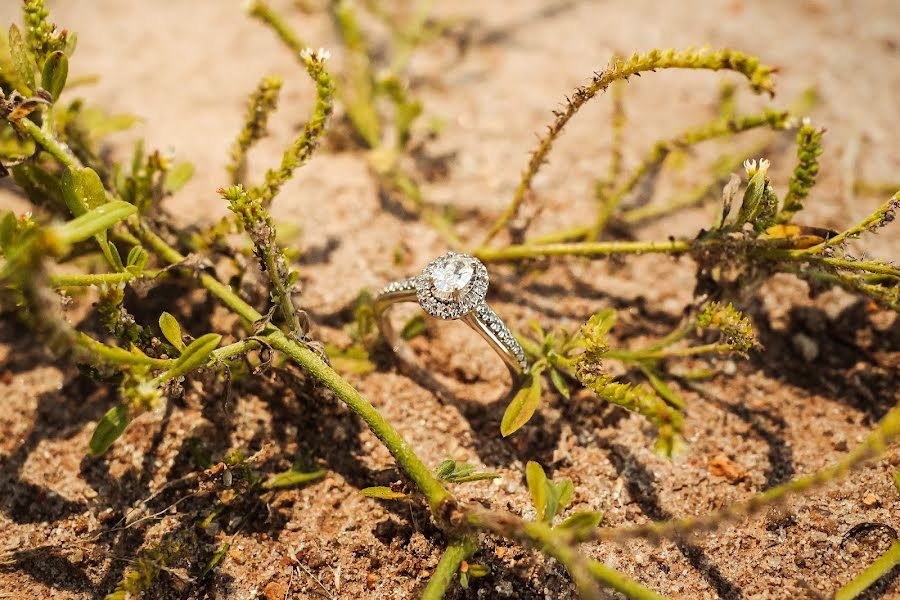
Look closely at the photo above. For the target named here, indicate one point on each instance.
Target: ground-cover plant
(90, 212)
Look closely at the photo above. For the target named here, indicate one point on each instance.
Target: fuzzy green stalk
(263, 101)
(522, 251)
(759, 76)
(260, 228)
(809, 147)
(874, 444)
(641, 355)
(262, 11)
(45, 140)
(878, 569)
(420, 474)
(64, 280)
(882, 215)
(457, 551)
(585, 572)
(300, 151)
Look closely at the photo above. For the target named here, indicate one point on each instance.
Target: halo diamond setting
(452, 285)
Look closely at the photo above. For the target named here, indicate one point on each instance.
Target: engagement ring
(453, 286)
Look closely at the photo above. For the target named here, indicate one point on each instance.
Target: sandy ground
(186, 68)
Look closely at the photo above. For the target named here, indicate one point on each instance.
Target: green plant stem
(285, 33)
(62, 280)
(620, 582)
(235, 349)
(46, 140)
(584, 571)
(118, 356)
(457, 551)
(517, 252)
(871, 220)
(421, 475)
(873, 573)
(645, 354)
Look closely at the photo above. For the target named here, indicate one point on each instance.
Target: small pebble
(871, 500)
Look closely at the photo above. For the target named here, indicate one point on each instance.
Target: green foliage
(638, 398)
(93, 222)
(736, 327)
(521, 408)
(301, 150)
(809, 147)
(170, 328)
(109, 429)
(549, 497)
(293, 476)
(54, 74)
(143, 572)
(453, 472)
(383, 493)
(261, 105)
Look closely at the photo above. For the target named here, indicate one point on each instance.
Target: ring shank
(482, 320)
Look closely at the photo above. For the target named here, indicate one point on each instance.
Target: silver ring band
(452, 286)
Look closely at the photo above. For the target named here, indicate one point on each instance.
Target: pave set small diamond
(490, 318)
(400, 286)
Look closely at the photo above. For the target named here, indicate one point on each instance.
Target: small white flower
(806, 121)
(750, 167)
(306, 53)
(323, 54)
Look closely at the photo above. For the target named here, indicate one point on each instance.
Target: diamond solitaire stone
(450, 279)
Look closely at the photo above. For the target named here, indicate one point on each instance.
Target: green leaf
(754, 196)
(82, 190)
(454, 472)
(94, 222)
(663, 389)
(137, 259)
(54, 74)
(177, 177)
(897, 481)
(464, 580)
(382, 492)
(564, 493)
(537, 487)
(560, 383)
(217, 557)
(194, 355)
(108, 429)
(478, 570)
(445, 468)
(171, 330)
(115, 257)
(581, 524)
(416, 326)
(475, 477)
(23, 61)
(291, 477)
(523, 404)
